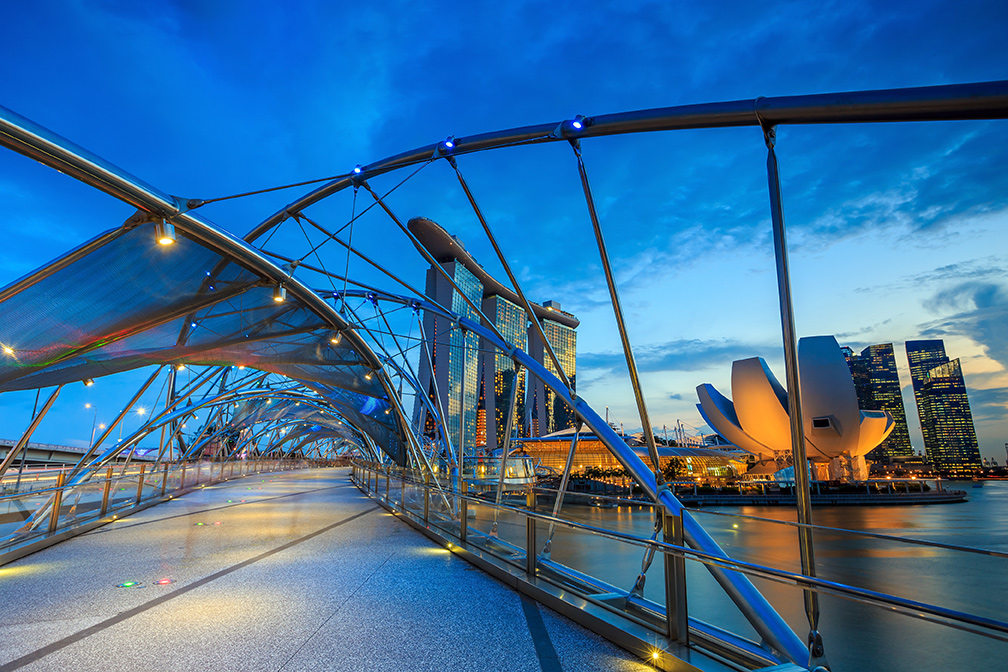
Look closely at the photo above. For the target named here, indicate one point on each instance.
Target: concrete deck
(293, 571)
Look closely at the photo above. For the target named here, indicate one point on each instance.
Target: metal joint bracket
(770, 136)
(570, 129)
(141, 217)
(817, 653)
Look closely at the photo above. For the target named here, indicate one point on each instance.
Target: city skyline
(489, 374)
(943, 408)
(897, 231)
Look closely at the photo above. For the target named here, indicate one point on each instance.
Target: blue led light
(193, 325)
(357, 170)
(576, 124)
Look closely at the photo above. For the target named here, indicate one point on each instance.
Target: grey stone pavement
(292, 571)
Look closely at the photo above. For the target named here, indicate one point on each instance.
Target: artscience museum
(837, 432)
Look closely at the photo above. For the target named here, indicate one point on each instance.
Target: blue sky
(896, 231)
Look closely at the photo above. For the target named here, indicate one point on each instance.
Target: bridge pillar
(530, 536)
(105, 491)
(676, 615)
(463, 510)
(426, 498)
(57, 502)
(140, 483)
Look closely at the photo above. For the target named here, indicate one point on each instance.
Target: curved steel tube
(984, 100)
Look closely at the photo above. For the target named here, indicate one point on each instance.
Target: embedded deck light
(164, 233)
(280, 293)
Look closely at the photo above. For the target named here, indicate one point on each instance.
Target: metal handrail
(623, 501)
(149, 479)
(987, 627)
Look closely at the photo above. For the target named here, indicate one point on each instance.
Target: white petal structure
(757, 420)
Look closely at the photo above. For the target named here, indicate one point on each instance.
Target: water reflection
(855, 634)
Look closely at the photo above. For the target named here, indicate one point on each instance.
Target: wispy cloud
(679, 355)
(981, 314)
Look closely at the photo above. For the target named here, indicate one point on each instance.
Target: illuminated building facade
(489, 375)
(552, 414)
(876, 382)
(455, 353)
(512, 323)
(943, 407)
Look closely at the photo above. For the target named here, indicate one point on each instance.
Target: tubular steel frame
(956, 102)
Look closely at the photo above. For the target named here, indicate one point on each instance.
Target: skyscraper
(883, 380)
(876, 382)
(552, 413)
(943, 407)
(489, 374)
(499, 370)
(455, 353)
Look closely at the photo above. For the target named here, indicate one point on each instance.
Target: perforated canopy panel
(131, 303)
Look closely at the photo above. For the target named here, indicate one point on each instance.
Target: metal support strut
(817, 657)
(618, 314)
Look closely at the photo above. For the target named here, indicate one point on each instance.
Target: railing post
(140, 483)
(386, 485)
(182, 478)
(57, 503)
(105, 492)
(426, 498)
(402, 489)
(164, 480)
(530, 536)
(676, 614)
(463, 510)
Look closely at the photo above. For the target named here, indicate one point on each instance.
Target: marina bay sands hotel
(464, 369)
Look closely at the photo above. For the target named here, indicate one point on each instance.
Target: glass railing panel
(414, 502)
(83, 503)
(444, 511)
(15, 510)
(497, 532)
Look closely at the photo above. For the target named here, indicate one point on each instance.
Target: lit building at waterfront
(707, 464)
(876, 382)
(950, 441)
(553, 414)
(489, 373)
(454, 353)
(838, 433)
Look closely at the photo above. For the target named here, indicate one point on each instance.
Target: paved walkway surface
(293, 571)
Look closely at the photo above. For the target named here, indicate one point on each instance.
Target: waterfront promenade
(289, 571)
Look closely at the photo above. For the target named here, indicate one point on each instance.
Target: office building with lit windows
(876, 382)
(490, 374)
(499, 371)
(550, 413)
(943, 407)
(454, 354)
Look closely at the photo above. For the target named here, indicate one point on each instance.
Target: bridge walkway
(287, 572)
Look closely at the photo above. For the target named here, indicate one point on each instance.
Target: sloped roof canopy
(126, 302)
